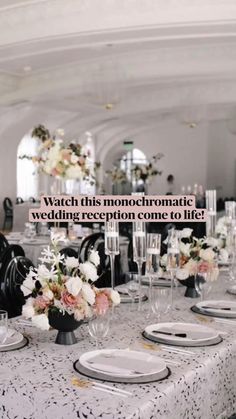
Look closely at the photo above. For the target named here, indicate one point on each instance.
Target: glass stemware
(203, 284)
(173, 258)
(160, 302)
(153, 251)
(3, 326)
(139, 252)
(132, 286)
(98, 327)
(112, 246)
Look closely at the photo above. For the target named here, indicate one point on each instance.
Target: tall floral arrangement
(148, 171)
(196, 256)
(117, 175)
(57, 159)
(63, 284)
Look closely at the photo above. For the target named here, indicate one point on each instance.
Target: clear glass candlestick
(112, 246)
(173, 258)
(211, 212)
(153, 251)
(139, 252)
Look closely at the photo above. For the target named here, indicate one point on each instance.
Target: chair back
(19, 200)
(87, 244)
(3, 243)
(15, 274)
(9, 253)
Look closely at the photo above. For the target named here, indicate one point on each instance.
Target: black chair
(3, 243)
(96, 241)
(12, 297)
(19, 200)
(8, 214)
(9, 253)
(87, 244)
(70, 252)
(32, 199)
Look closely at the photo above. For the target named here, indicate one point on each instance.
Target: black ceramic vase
(190, 282)
(65, 324)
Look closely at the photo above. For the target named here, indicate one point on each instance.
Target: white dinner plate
(216, 307)
(196, 334)
(122, 363)
(13, 338)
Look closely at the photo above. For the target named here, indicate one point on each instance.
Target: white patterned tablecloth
(36, 381)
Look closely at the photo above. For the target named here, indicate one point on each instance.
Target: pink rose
(68, 299)
(101, 303)
(203, 267)
(54, 172)
(41, 302)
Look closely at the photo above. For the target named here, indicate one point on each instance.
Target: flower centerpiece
(117, 175)
(197, 257)
(147, 171)
(61, 292)
(57, 159)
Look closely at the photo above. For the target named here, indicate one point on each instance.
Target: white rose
(74, 285)
(89, 271)
(185, 248)
(115, 297)
(88, 294)
(28, 309)
(71, 262)
(182, 274)
(74, 172)
(186, 233)
(41, 321)
(207, 254)
(94, 257)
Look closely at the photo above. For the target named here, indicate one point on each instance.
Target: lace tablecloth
(37, 381)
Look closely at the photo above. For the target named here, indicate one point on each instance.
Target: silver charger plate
(195, 309)
(24, 342)
(156, 339)
(115, 379)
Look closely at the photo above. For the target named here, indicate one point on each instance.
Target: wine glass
(160, 301)
(132, 286)
(98, 327)
(139, 252)
(3, 326)
(173, 257)
(203, 284)
(153, 251)
(112, 245)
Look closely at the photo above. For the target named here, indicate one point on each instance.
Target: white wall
(204, 155)
(184, 152)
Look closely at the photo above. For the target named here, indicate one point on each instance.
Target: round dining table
(39, 381)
